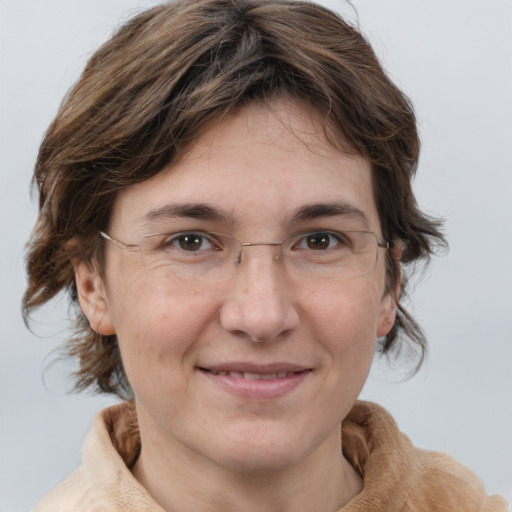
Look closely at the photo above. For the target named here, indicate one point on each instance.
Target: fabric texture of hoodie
(397, 476)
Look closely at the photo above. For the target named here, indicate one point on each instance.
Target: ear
(93, 298)
(387, 315)
(389, 302)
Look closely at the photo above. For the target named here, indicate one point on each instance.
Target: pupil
(190, 242)
(318, 241)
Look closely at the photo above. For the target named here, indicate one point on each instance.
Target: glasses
(209, 256)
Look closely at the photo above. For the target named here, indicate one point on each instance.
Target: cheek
(350, 309)
(157, 327)
(346, 321)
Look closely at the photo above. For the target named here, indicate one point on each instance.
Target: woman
(226, 193)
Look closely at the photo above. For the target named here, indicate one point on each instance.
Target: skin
(244, 449)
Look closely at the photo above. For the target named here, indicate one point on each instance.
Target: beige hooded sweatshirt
(397, 476)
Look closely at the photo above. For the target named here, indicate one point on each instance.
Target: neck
(179, 479)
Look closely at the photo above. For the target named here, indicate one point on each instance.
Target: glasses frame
(383, 244)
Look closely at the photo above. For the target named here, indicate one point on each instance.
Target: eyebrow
(331, 209)
(189, 210)
(203, 211)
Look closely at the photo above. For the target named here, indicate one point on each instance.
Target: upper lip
(263, 369)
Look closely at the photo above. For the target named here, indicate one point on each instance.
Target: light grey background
(454, 59)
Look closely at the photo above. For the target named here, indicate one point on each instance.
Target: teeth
(255, 376)
(252, 376)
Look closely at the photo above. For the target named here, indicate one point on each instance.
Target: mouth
(252, 375)
(256, 381)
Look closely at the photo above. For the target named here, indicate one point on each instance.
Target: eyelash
(338, 238)
(175, 239)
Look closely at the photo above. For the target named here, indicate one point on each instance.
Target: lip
(246, 367)
(261, 382)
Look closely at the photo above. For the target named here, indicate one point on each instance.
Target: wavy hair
(146, 93)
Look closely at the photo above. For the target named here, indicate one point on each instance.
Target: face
(257, 370)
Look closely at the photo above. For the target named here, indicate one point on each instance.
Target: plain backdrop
(454, 59)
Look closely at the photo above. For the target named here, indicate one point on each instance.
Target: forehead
(257, 165)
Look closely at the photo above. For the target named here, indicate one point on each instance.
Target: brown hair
(147, 91)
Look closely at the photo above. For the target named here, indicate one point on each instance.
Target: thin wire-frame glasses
(210, 256)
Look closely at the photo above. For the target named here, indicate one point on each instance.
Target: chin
(261, 450)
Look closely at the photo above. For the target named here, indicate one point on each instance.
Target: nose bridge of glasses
(249, 244)
(243, 245)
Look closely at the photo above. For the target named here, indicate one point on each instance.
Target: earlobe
(93, 298)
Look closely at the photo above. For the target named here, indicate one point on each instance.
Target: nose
(259, 304)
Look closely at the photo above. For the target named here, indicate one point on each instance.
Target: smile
(255, 376)
(256, 382)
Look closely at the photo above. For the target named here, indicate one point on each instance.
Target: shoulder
(442, 484)
(402, 477)
(104, 482)
(71, 492)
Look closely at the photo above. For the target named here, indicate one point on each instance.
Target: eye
(190, 242)
(322, 241)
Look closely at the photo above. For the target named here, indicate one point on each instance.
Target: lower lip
(257, 389)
